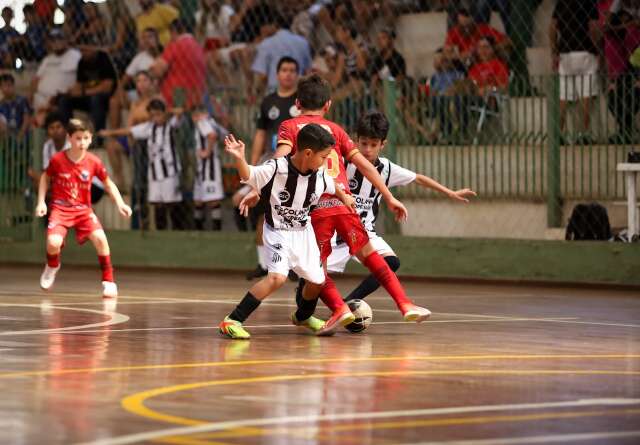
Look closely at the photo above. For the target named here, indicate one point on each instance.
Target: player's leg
(198, 214)
(213, 216)
(261, 267)
(99, 240)
(370, 284)
(55, 241)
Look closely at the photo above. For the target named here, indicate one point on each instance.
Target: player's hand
(125, 210)
(397, 208)
(462, 195)
(41, 210)
(234, 147)
(350, 202)
(249, 200)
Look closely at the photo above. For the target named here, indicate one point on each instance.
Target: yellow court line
(303, 361)
(136, 403)
(449, 421)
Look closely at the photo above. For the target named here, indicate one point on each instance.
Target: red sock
(330, 295)
(385, 276)
(107, 268)
(53, 260)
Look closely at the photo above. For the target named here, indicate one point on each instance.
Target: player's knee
(275, 281)
(393, 262)
(99, 240)
(54, 242)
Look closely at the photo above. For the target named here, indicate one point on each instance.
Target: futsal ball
(363, 314)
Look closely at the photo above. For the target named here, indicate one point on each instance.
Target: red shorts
(349, 228)
(83, 220)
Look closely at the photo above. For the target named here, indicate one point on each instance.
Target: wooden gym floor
(494, 365)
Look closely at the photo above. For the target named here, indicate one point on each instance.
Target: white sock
(262, 256)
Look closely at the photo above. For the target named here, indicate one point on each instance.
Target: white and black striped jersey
(367, 197)
(161, 147)
(209, 168)
(49, 149)
(291, 194)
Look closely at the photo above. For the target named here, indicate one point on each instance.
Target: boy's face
(7, 88)
(158, 117)
(313, 161)
(288, 76)
(81, 139)
(56, 131)
(370, 147)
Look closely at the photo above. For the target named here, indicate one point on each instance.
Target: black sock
(198, 218)
(306, 308)
(370, 284)
(299, 291)
(242, 311)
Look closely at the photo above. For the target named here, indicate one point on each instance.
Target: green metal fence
(16, 192)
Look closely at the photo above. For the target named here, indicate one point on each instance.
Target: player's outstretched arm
(236, 149)
(370, 172)
(115, 132)
(113, 191)
(461, 195)
(41, 207)
(281, 151)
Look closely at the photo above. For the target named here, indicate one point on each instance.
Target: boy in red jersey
(331, 216)
(70, 173)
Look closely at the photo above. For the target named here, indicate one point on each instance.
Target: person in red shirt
(489, 72)
(70, 173)
(331, 216)
(467, 33)
(181, 65)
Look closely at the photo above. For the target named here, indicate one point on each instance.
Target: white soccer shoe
(48, 277)
(109, 289)
(411, 312)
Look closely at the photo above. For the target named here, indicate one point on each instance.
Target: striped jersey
(367, 197)
(161, 147)
(209, 168)
(291, 194)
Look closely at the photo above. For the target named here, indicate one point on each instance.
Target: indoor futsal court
(554, 365)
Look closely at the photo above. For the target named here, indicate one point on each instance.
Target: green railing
(16, 191)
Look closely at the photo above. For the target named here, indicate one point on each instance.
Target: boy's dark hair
(7, 77)
(313, 92)
(178, 26)
(464, 12)
(157, 105)
(76, 125)
(314, 138)
(144, 73)
(53, 117)
(287, 59)
(373, 125)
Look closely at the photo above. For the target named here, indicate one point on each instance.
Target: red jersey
(466, 43)
(71, 181)
(491, 73)
(335, 165)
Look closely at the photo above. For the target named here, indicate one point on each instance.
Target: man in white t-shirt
(56, 73)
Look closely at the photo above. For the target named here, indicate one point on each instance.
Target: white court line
(597, 323)
(114, 318)
(562, 438)
(220, 426)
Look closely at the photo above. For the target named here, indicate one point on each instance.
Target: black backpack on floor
(588, 222)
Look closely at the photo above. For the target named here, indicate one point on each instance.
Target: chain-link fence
(531, 103)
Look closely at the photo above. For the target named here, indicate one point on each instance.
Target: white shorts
(578, 75)
(208, 191)
(165, 191)
(340, 255)
(225, 53)
(295, 250)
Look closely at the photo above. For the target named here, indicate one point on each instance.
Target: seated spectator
(150, 49)
(489, 73)
(56, 129)
(8, 36)
(467, 33)
(146, 91)
(213, 30)
(388, 63)
(444, 85)
(356, 59)
(95, 82)
(157, 16)
(56, 74)
(46, 10)
(281, 43)
(334, 69)
(93, 31)
(15, 111)
(574, 35)
(31, 45)
(182, 65)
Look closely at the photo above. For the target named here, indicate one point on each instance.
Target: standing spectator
(157, 16)
(93, 30)
(46, 10)
(56, 74)
(125, 38)
(31, 46)
(8, 36)
(271, 50)
(95, 83)
(482, 12)
(335, 73)
(356, 60)
(187, 12)
(181, 65)
(213, 31)
(574, 35)
(15, 111)
(388, 63)
(489, 72)
(466, 34)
